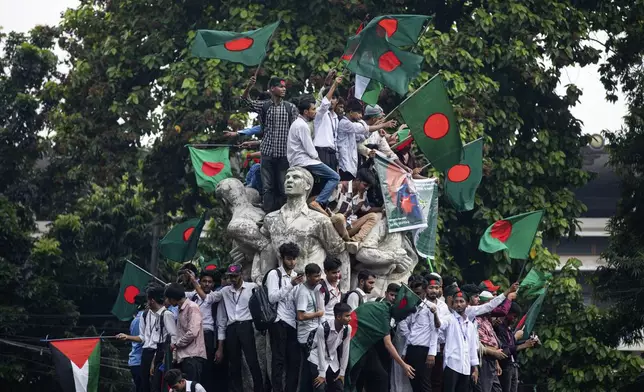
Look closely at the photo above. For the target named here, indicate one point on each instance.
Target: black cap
(275, 81)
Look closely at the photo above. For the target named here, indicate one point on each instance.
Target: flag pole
(409, 96)
(268, 44)
(429, 261)
(522, 270)
(81, 338)
(210, 145)
(157, 279)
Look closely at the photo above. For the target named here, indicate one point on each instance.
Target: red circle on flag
(387, 26)
(436, 126)
(459, 173)
(130, 293)
(403, 303)
(212, 168)
(389, 61)
(501, 230)
(210, 267)
(187, 233)
(239, 44)
(354, 323)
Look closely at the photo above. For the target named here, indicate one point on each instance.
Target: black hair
(332, 264)
(418, 283)
(365, 274)
(470, 289)
(341, 101)
(393, 288)
(289, 249)
(189, 267)
(155, 293)
(304, 103)
(413, 278)
(173, 377)
(515, 308)
(335, 95)
(448, 280)
(353, 106)
(312, 269)
(341, 308)
(175, 291)
(203, 274)
(366, 175)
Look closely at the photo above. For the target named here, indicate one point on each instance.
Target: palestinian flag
(133, 283)
(77, 363)
(180, 244)
(530, 318)
(430, 117)
(462, 179)
(405, 303)
(367, 90)
(534, 283)
(514, 234)
(248, 48)
(211, 166)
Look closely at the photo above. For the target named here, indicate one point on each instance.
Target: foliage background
(99, 152)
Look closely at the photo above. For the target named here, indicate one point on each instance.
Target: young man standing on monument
(309, 314)
(328, 292)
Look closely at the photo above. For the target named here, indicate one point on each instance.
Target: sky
(594, 111)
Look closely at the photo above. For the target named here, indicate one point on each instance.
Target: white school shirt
(205, 306)
(353, 299)
(326, 125)
(443, 314)
(335, 296)
(422, 330)
(300, 150)
(150, 327)
(319, 350)
(476, 310)
(222, 321)
(282, 296)
(307, 302)
(192, 386)
(349, 135)
(235, 301)
(461, 343)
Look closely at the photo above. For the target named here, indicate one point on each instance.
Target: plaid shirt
(276, 127)
(487, 336)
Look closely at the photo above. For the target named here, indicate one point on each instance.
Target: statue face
(295, 184)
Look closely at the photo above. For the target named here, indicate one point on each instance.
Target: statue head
(299, 182)
(232, 192)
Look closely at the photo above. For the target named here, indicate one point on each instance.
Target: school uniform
(156, 329)
(460, 355)
(330, 355)
(422, 342)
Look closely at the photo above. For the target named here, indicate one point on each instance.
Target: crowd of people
(335, 140)
(192, 335)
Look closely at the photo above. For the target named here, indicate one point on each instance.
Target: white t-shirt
(306, 301)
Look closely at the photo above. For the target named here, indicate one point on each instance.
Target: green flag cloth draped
(534, 283)
(211, 166)
(77, 363)
(247, 48)
(463, 179)
(133, 283)
(514, 234)
(530, 319)
(180, 244)
(404, 304)
(430, 117)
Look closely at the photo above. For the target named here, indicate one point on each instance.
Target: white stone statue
(390, 256)
(311, 230)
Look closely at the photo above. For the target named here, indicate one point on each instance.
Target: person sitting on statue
(377, 141)
(301, 152)
(349, 200)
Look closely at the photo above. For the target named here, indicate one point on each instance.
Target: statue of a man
(311, 230)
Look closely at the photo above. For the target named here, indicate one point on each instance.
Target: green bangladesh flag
(534, 283)
(430, 117)
(530, 318)
(370, 323)
(211, 166)
(77, 363)
(514, 234)
(405, 303)
(210, 266)
(180, 244)
(425, 239)
(462, 179)
(133, 283)
(248, 48)
(367, 90)
(402, 203)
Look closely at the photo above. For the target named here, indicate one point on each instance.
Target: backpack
(261, 309)
(327, 330)
(163, 355)
(327, 294)
(263, 115)
(345, 297)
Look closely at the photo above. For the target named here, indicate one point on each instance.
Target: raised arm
(275, 293)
